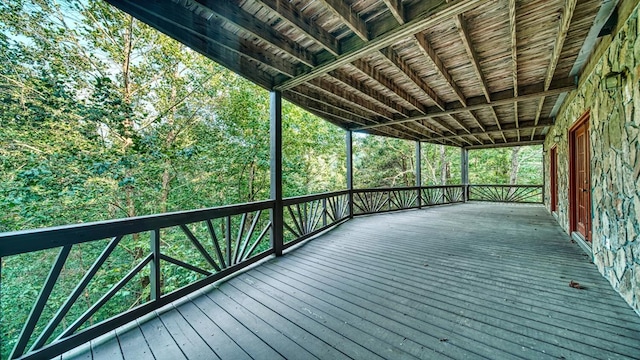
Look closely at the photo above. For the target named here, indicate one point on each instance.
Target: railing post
(419, 172)
(464, 172)
(277, 220)
(154, 276)
(349, 145)
(324, 212)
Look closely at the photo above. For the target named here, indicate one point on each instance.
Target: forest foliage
(102, 117)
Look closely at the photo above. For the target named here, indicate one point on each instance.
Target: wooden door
(580, 176)
(553, 173)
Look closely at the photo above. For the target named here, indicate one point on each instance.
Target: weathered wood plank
(248, 341)
(162, 344)
(219, 341)
(106, 347)
(235, 15)
(313, 324)
(133, 344)
(563, 29)
(348, 16)
(186, 337)
(261, 328)
(525, 125)
(387, 39)
(282, 323)
(288, 11)
(409, 284)
(500, 99)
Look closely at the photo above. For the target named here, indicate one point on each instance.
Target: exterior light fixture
(614, 80)
(557, 138)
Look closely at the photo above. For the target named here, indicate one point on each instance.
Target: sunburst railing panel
(506, 193)
(306, 216)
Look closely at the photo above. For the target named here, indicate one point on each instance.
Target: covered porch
(411, 284)
(443, 273)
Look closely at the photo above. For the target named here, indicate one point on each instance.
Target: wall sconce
(614, 80)
(557, 138)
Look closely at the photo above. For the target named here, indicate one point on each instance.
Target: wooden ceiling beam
(397, 9)
(427, 50)
(475, 62)
(287, 10)
(511, 142)
(372, 94)
(383, 80)
(357, 117)
(180, 24)
(328, 89)
(524, 125)
(514, 57)
(419, 132)
(425, 47)
(502, 98)
(402, 65)
(447, 127)
(312, 93)
(338, 115)
(349, 17)
(471, 53)
(234, 14)
(420, 23)
(563, 30)
(311, 101)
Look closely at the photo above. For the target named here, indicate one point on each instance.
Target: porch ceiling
(464, 73)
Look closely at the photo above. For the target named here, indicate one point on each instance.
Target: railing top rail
(507, 185)
(17, 242)
(306, 198)
(406, 188)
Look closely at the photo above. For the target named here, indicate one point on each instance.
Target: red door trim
(553, 172)
(584, 119)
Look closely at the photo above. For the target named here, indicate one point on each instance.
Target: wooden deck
(464, 281)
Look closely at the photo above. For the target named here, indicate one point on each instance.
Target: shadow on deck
(465, 281)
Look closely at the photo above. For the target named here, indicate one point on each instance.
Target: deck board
(454, 282)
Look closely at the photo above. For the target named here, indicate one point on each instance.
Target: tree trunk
(443, 165)
(168, 143)
(515, 165)
(128, 122)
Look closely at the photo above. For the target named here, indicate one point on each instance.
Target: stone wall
(615, 158)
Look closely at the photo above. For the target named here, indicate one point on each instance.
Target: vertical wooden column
(419, 172)
(276, 171)
(155, 275)
(349, 145)
(464, 172)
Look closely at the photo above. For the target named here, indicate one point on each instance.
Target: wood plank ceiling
(469, 73)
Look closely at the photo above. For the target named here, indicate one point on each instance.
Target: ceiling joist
(499, 99)
(433, 16)
(427, 70)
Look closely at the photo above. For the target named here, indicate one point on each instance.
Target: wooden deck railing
(160, 268)
(305, 216)
(507, 193)
(371, 201)
(149, 262)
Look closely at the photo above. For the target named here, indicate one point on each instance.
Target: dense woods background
(102, 117)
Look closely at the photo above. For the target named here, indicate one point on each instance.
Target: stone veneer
(615, 158)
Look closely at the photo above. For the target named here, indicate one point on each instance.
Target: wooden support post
(544, 176)
(277, 221)
(154, 276)
(419, 172)
(464, 172)
(349, 145)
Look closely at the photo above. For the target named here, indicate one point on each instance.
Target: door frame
(553, 177)
(573, 191)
